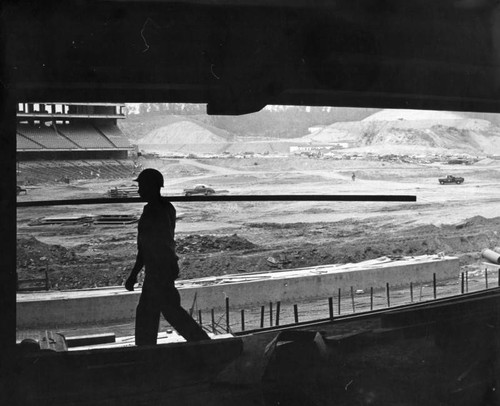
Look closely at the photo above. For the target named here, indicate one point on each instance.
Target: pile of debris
(62, 220)
(212, 243)
(123, 191)
(34, 254)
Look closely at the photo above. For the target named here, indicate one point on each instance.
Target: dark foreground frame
(237, 56)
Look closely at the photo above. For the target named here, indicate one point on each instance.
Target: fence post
(296, 313)
(371, 298)
(278, 308)
(388, 294)
(486, 277)
(340, 293)
(271, 314)
(352, 299)
(213, 320)
(262, 309)
(411, 292)
(330, 307)
(242, 319)
(227, 315)
(434, 285)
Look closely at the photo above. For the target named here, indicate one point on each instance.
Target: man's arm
(132, 279)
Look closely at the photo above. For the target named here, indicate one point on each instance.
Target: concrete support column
(8, 222)
(8, 275)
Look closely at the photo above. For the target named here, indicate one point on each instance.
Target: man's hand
(130, 282)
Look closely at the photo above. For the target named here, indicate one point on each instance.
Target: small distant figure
(156, 253)
(353, 176)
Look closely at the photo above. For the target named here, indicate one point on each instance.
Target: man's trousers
(163, 297)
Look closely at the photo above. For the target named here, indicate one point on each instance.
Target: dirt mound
(35, 254)
(186, 131)
(403, 114)
(476, 221)
(79, 267)
(108, 260)
(212, 243)
(485, 162)
(407, 128)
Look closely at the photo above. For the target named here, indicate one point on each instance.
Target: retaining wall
(58, 309)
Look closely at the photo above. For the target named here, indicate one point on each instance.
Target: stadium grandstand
(70, 141)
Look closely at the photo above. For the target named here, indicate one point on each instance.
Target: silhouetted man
(156, 253)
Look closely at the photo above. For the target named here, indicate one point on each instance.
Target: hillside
(414, 115)
(410, 129)
(274, 130)
(138, 126)
(184, 132)
(272, 122)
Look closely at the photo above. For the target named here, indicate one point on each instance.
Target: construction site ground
(217, 238)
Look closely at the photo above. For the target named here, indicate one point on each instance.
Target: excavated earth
(83, 266)
(217, 238)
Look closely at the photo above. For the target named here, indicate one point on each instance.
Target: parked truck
(451, 179)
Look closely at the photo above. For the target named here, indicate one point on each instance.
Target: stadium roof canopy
(237, 56)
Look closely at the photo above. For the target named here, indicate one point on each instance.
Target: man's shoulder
(167, 205)
(164, 204)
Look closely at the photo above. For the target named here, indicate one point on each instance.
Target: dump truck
(451, 179)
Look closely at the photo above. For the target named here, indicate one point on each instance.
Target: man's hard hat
(152, 176)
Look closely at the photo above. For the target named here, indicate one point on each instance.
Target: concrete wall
(59, 312)
(58, 309)
(319, 285)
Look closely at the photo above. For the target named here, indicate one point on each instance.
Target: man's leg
(147, 319)
(180, 318)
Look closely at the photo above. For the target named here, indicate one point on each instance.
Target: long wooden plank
(229, 198)
(91, 339)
